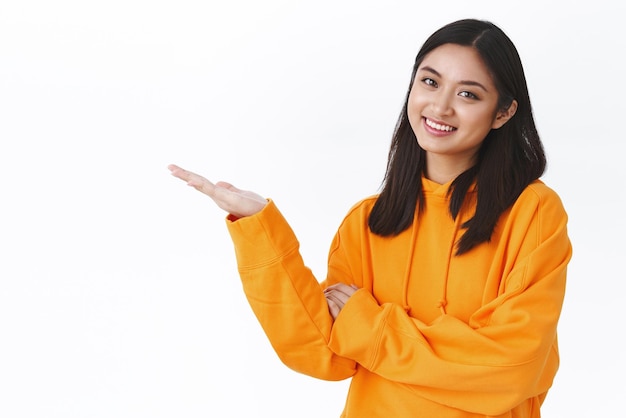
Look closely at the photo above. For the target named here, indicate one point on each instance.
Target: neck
(443, 170)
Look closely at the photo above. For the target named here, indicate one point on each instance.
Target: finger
(225, 195)
(194, 180)
(244, 195)
(339, 298)
(227, 186)
(201, 184)
(343, 288)
(181, 173)
(333, 308)
(176, 171)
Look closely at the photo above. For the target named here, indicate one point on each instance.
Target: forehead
(457, 63)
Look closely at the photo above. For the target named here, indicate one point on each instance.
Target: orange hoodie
(429, 334)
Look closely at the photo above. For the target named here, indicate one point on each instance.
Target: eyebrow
(463, 82)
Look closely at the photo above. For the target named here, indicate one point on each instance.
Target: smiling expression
(453, 104)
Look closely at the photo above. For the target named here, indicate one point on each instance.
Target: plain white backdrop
(119, 294)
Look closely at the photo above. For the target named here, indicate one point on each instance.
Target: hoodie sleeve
(504, 355)
(286, 298)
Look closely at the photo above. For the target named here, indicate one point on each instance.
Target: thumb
(228, 186)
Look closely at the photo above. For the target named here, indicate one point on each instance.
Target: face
(453, 104)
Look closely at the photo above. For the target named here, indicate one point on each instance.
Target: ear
(503, 116)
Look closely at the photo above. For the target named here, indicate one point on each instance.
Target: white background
(119, 295)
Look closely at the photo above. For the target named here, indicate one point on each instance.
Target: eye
(429, 81)
(468, 94)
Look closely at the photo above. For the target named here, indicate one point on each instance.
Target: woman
(444, 291)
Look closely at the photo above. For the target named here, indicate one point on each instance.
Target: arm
(285, 296)
(283, 293)
(505, 354)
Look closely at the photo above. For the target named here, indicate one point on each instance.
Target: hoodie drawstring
(441, 304)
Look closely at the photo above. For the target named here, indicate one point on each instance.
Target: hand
(337, 296)
(237, 202)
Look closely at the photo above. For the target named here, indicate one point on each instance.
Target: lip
(434, 131)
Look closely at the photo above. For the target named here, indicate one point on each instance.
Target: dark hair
(509, 159)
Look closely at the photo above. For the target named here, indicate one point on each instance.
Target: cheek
(414, 110)
(480, 119)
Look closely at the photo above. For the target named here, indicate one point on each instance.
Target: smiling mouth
(438, 126)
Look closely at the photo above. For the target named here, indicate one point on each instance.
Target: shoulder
(363, 206)
(540, 190)
(357, 216)
(540, 195)
(361, 209)
(540, 202)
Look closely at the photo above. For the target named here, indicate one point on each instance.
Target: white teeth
(439, 127)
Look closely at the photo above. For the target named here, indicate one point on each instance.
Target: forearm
(491, 359)
(285, 296)
(447, 361)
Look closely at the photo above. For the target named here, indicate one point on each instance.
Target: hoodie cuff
(262, 237)
(356, 331)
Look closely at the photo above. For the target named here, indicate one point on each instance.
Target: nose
(442, 103)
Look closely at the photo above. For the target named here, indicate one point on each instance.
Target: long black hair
(509, 159)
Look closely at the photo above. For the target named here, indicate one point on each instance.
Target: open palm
(237, 202)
